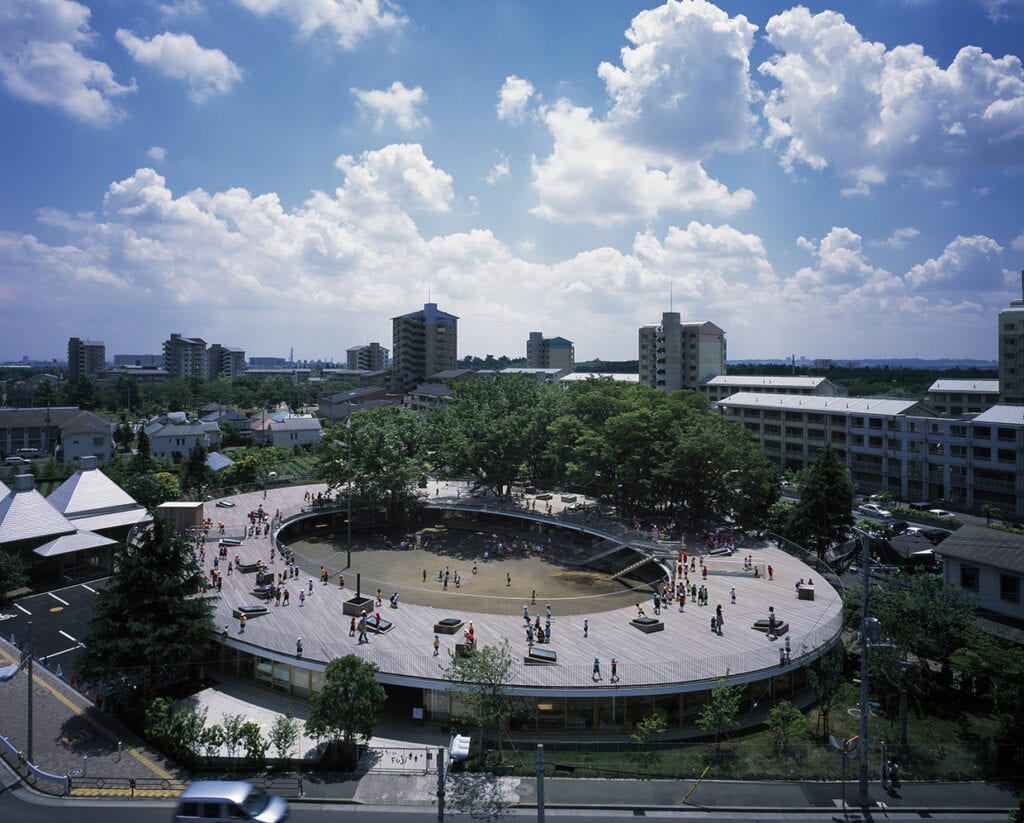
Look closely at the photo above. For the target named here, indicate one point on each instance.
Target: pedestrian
(424, 575)
(718, 614)
(547, 610)
(474, 567)
(533, 597)
(241, 624)
(586, 626)
(782, 656)
(437, 642)
(615, 670)
(277, 596)
(298, 647)
(732, 595)
(771, 573)
(341, 581)
(376, 617)
(362, 629)
(302, 597)
(352, 628)
(286, 595)
(508, 578)
(311, 587)
(224, 634)
(771, 622)
(230, 567)
(379, 596)
(597, 669)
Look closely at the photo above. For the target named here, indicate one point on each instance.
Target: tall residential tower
(423, 343)
(1011, 351)
(676, 355)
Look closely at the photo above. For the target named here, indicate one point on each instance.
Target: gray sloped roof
(71, 543)
(88, 491)
(25, 515)
(987, 547)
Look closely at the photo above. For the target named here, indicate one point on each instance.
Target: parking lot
(59, 622)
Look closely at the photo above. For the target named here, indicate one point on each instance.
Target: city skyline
(826, 180)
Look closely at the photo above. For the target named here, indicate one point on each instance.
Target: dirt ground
(502, 583)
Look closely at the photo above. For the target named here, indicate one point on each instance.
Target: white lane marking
(22, 608)
(65, 651)
(58, 599)
(68, 636)
(89, 588)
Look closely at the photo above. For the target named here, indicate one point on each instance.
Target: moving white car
(941, 513)
(874, 510)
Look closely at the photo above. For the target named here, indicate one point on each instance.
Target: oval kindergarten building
(666, 663)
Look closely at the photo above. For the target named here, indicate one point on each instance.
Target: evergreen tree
(824, 516)
(195, 474)
(149, 628)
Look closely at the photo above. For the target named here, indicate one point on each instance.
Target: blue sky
(827, 180)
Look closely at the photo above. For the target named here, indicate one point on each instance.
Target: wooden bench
(781, 626)
(449, 625)
(248, 611)
(647, 625)
(537, 656)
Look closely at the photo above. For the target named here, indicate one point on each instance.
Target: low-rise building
(988, 565)
(290, 432)
(65, 432)
(428, 396)
(176, 438)
(955, 398)
(723, 385)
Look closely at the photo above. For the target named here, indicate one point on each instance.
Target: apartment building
(371, 357)
(549, 352)
(722, 386)
(423, 343)
(1011, 350)
(185, 356)
(86, 358)
(899, 446)
(227, 360)
(680, 355)
(954, 398)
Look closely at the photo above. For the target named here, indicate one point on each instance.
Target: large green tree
(149, 627)
(380, 455)
(348, 704)
(824, 515)
(12, 571)
(719, 713)
(493, 429)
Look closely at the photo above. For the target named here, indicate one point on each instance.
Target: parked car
(14, 460)
(941, 513)
(874, 510)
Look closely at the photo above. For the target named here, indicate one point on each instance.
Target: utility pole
(540, 783)
(348, 461)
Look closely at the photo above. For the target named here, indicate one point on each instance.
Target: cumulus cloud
(499, 171)
(684, 85)
(593, 175)
(681, 95)
(513, 98)
(399, 173)
(396, 103)
(157, 153)
(348, 20)
(208, 72)
(899, 238)
(42, 60)
(966, 262)
(871, 112)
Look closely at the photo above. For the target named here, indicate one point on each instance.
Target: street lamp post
(348, 462)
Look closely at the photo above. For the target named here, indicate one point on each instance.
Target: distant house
(987, 564)
(289, 432)
(65, 432)
(175, 439)
(223, 415)
(428, 396)
(337, 406)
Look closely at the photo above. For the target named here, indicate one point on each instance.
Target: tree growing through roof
(149, 627)
(480, 681)
(347, 706)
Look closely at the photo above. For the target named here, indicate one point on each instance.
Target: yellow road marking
(78, 710)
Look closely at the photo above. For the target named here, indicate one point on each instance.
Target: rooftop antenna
(670, 296)
(428, 291)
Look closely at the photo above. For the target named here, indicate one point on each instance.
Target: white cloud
(899, 238)
(999, 10)
(965, 263)
(872, 113)
(180, 9)
(684, 85)
(499, 171)
(593, 175)
(157, 153)
(682, 94)
(42, 60)
(398, 174)
(396, 103)
(208, 72)
(1017, 244)
(349, 20)
(513, 98)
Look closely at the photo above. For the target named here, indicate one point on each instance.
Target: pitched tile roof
(988, 547)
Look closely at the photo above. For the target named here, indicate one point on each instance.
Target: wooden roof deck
(683, 656)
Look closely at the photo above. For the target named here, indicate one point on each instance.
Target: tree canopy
(823, 516)
(349, 702)
(148, 627)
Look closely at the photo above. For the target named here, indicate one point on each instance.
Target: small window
(189, 810)
(211, 811)
(969, 578)
(1009, 588)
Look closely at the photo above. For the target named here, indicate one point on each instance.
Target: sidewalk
(70, 733)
